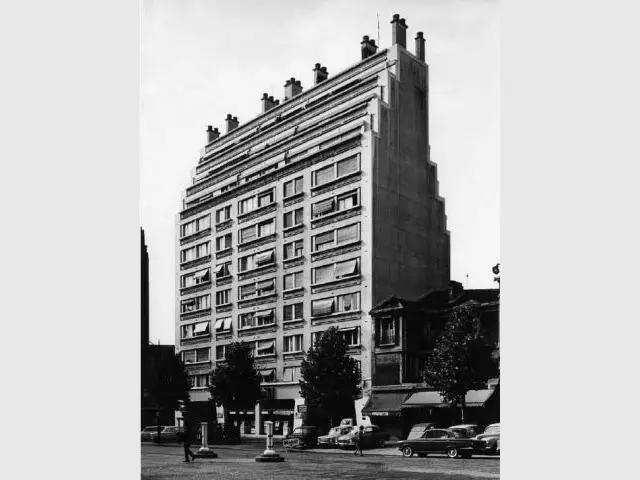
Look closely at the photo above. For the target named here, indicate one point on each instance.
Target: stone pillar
(205, 451)
(257, 420)
(269, 454)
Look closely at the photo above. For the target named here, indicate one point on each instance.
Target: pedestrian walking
(358, 441)
(187, 438)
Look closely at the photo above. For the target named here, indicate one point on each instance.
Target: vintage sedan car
(469, 430)
(302, 437)
(418, 430)
(331, 438)
(167, 434)
(439, 440)
(490, 440)
(145, 435)
(372, 437)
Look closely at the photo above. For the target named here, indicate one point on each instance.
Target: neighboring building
(306, 217)
(144, 292)
(405, 333)
(155, 358)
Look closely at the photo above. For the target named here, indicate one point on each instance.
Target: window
(335, 271)
(347, 166)
(291, 374)
(265, 347)
(195, 226)
(257, 260)
(223, 214)
(268, 376)
(223, 325)
(266, 228)
(257, 289)
(293, 343)
(194, 252)
(197, 355)
(194, 330)
(256, 319)
(223, 270)
(292, 312)
(351, 336)
(248, 234)
(337, 237)
(247, 205)
(221, 352)
(199, 380)
(335, 171)
(293, 218)
(293, 249)
(222, 297)
(196, 303)
(293, 280)
(336, 204)
(292, 187)
(266, 198)
(339, 304)
(195, 278)
(387, 331)
(324, 175)
(223, 242)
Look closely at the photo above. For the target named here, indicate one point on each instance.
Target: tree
(461, 360)
(235, 384)
(330, 379)
(166, 380)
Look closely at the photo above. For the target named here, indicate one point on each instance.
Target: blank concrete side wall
(411, 245)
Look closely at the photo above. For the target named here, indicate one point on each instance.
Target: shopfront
(278, 411)
(384, 410)
(244, 421)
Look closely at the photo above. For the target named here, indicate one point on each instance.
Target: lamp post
(204, 451)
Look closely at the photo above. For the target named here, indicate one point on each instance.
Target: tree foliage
(235, 384)
(461, 360)
(329, 378)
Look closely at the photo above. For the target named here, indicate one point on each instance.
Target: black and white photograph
(320, 239)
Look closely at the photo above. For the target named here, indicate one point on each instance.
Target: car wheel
(407, 451)
(452, 452)
(381, 443)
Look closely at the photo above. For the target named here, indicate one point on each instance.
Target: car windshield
(150, 429)
(493, 429)
(458, 434)
(335, 431)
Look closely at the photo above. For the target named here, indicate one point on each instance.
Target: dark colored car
(372, 437)
(302, 437)
(439, 440)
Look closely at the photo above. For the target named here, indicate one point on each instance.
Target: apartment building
(307, 216)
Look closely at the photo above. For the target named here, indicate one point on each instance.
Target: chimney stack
(320, 74)
(399, 31)
(368, 47)
(292, 88)
(420, 46)
(212, 133)
(232, 122)
(268, 102)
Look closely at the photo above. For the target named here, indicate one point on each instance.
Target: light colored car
(167, 434)
(491, 439)
(469, 430)
(331, 438)
(371, 437)
(145, 435)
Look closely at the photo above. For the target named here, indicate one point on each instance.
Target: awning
(227, 324)
(265, 257)
(219, 323)
(266, 285)
(201, 273)
(201, 327)
(219, 269)
(323, 207)
(473, 398)
(267, 346)
(263, 314)
(266, 373)
(384, 404)
(346, 268)
(322, 307)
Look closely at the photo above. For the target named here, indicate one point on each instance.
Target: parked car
(145, 435)
(418, 430)
(372, 437)
(331, 438)
(490, 439)
(468, 430)
(167, 434)
(439, 440)
(302, 437)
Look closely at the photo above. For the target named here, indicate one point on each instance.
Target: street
(237, 462)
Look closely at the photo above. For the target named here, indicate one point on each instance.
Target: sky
(203, 59)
